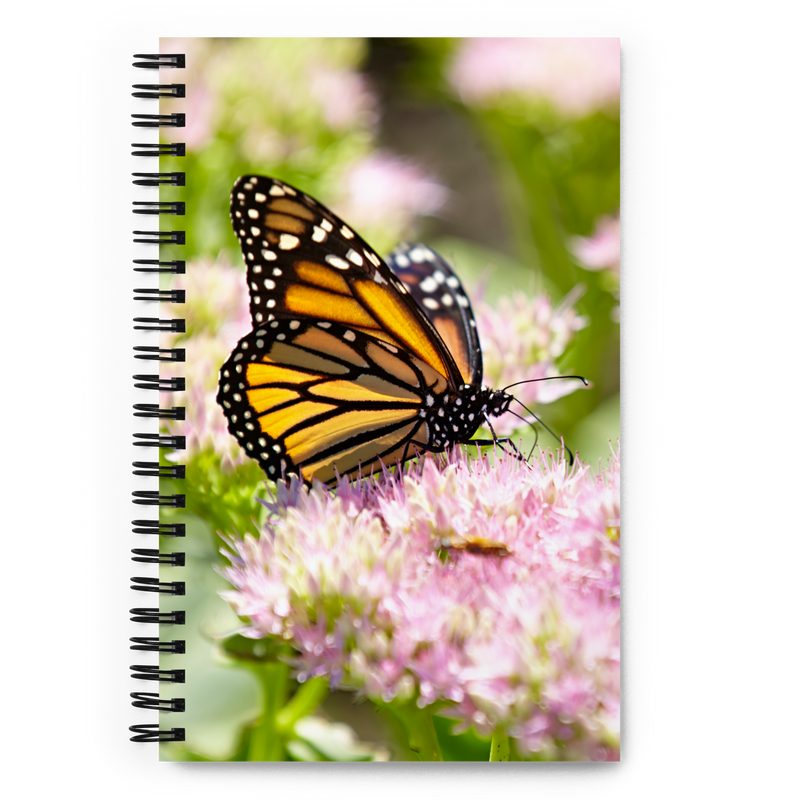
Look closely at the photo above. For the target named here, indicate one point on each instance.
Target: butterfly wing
(303, 262)
(438, 291)
(343, 367)
(314, 398)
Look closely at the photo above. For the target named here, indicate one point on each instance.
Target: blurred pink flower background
(576, 76)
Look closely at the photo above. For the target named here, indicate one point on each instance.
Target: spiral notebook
(382, 310)
(151, 621)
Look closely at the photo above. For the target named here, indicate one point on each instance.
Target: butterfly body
(350, 362)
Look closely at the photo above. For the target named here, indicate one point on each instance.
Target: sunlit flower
(576, 76)
(521, 340)
(389, 587)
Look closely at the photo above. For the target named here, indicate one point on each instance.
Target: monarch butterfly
(351, 358)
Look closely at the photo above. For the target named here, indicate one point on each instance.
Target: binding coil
(155, 469)
(144, 672)
(173, 267)
(159, 178)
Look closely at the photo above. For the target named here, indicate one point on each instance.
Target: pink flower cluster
(386, 191)
(576, 76)
(521, 340)
(377, 589)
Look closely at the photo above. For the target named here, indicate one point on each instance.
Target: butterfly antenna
(533, 380)
(552, 378)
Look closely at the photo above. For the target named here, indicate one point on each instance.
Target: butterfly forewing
(304, 262)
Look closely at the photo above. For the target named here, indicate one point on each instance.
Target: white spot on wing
(337, 262)
(430, 303)
(429, 285)
(355, 257)
(288, 241)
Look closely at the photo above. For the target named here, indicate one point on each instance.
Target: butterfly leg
(405, 454)
(500, 442)
(497, 441)
(419, 448)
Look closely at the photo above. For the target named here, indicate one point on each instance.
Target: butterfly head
(497, 401)
(474, 405)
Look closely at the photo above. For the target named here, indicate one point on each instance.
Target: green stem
(421, 733)
(501, 750)
(266, 744)
(305, 701)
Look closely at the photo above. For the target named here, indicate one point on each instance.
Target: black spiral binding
(154, 383)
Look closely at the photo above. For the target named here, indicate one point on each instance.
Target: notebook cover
(306, 110)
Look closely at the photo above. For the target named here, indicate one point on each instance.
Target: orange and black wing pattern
(304, 262)
(313, 398)
(343, 368)
(438, 291)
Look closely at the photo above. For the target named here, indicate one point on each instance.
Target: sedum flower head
(391, 587)
(521, 340)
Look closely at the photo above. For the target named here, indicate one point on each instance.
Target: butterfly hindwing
(318, 397)
(438, 291)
